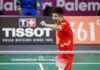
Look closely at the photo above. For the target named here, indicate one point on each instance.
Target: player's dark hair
(48, 11)
(1, 13)
(58, 10)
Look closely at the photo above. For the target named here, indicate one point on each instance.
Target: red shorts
(64, 63)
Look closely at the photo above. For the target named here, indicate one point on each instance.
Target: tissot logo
(25, 31)
(27, 22)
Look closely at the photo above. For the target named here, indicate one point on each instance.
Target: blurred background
(84, 19)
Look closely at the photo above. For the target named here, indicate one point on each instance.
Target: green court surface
(46, 62)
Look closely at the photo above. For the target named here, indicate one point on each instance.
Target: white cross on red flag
(31, 22)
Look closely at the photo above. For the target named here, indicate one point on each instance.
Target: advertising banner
(85, 29)
(70, 7)
(25, 30)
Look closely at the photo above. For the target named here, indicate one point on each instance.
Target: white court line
(41, 66)
(43, 63)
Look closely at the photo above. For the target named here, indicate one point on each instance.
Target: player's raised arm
(53, 26)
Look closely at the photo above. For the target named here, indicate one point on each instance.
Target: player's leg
(60, 63)
(69, 64)
(56, 68)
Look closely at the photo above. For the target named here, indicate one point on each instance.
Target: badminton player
(65, 35)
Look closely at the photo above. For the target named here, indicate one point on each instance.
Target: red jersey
(65, 38)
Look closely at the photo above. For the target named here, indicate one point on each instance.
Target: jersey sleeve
(66, 29)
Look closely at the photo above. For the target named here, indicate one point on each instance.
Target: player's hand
(20, 12)
(39, 11)
(43, 23)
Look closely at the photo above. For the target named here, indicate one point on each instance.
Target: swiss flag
(31, 22)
